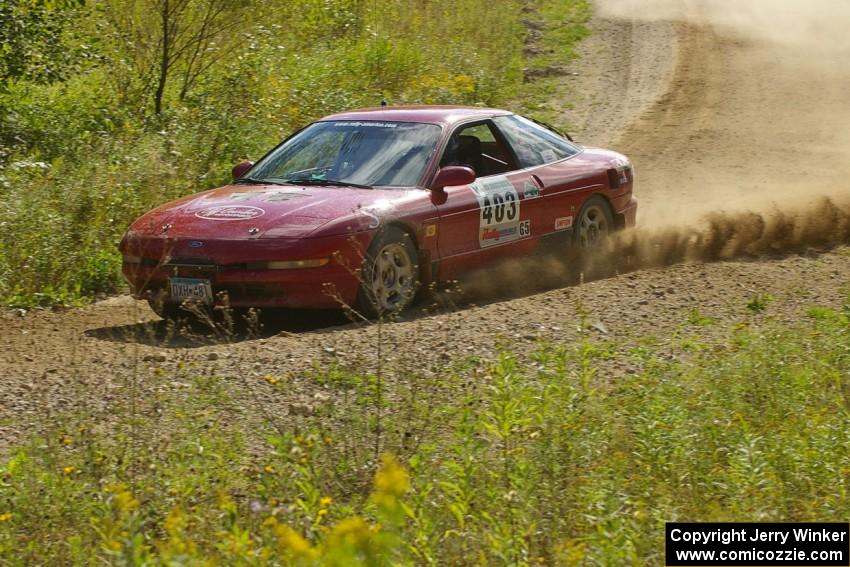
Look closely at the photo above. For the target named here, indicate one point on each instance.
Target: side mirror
(241, 168)
(453, 175)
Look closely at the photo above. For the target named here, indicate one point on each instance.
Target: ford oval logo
(230, 212)
(196, 244)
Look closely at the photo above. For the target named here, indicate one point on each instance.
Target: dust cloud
(719, 236)
(819, 25)
(755, 119)
(746, 154)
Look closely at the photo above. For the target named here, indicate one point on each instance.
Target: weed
(759, 302)
(501, 461)
(698, 319)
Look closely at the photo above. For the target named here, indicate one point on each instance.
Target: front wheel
(595, 223)
(390, 274)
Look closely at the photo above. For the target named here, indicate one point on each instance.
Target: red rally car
(362, 208)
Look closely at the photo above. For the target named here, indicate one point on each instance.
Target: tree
(181, 38)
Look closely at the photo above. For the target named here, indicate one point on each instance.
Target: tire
(595, 223)
(389, 276)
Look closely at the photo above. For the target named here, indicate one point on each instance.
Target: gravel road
(717, 121)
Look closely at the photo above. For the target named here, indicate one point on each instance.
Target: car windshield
(365, 153)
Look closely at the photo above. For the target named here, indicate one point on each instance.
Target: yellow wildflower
(291, 541)
(69, 470)
(175, 524)
(271, 379)
(325, 501)
(350, 531)
(269, 469)
(322, 513)
(270, 522)
(67, 440)
(5, 517)
(464, 84)
(125, 502)
(391, 478)
(570, 552)
(226, 503)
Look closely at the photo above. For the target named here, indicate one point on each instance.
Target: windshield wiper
(555, 130)
(252, 181)
(330, 182)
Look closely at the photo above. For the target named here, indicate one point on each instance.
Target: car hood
(235, 212)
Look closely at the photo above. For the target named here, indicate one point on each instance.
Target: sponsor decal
(380, 209)
(525, 228)
(499, 206)
(430, 230)
(530, 190)
(369, 124)
(374, 220)
(549, 156)
(563, 223)
(498, 235)
(234, 212)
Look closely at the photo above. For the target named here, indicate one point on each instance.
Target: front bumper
(228, 267)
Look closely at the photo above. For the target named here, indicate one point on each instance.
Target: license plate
(194, 289)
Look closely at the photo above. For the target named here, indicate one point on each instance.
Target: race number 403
(499, 209)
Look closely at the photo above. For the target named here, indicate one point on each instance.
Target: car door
(554, 164)
(492, 218)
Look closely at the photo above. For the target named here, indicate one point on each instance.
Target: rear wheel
(595, 223)
(390, 274)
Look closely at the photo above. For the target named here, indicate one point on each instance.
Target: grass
(548, 460)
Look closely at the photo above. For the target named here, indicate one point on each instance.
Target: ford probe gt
(362, 208)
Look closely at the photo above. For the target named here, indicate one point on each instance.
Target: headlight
(294, 264)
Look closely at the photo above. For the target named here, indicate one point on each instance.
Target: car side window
(476, 146)
(532, 143)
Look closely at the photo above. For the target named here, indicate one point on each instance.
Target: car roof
(446, 115)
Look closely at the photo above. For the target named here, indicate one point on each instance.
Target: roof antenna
(383, 102)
